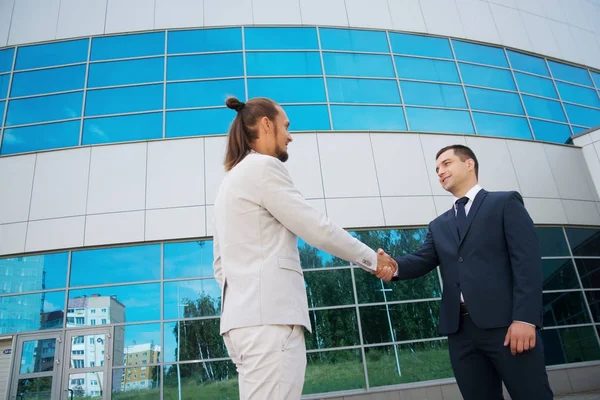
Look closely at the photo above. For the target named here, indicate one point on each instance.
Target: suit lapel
(451, 224)
(474, 208)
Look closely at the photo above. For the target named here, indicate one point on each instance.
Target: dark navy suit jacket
(497, 264)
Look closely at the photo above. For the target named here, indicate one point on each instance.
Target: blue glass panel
(288, 90)
(403, 43)
(283, 63)
(131, 303)
(550, 132)
(542, 108)
(307, 118)
(205, 66)
(488, 77)
(6, 59)
(126, 72)
(41, 137)
(479, 53)
(502, 126)
(204, 40)
(118, 265)
(427, 70)
(32, 312)
(596, 77)
(4, 81)
(200, 291)
(47, 55)
(346, 64)
(188, 259)
(528, 63)
(126, 46)
(363, 91)
(48, 81)
(203, 94)
(122, 129)
(124, 100)
(536, 85)
(578, 94)
(45, 108)
(35, 272)
(2, 105)
(353, 40)
(431, 120)
(578, 129)
(583, 116)
(431, 94)
(368, 118)
(491, 100)
(199, 122)
(281, 38)
(569, 73)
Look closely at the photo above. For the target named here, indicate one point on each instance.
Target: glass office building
(111, 153)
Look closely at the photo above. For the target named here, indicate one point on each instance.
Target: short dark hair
(462, 152)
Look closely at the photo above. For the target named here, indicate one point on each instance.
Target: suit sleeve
(525, 260)
(217, 267)
(420, 262)
(281, 198)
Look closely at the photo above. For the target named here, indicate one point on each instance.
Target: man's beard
(282, 154)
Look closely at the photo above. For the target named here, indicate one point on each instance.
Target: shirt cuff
(526, 323)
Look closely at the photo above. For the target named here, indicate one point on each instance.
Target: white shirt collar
(470, 194)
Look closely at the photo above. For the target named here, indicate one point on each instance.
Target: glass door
(37, 365)
(87, 364)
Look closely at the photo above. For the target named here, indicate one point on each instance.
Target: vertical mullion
(87, 72)
(360, 333)
(8, 90)
(244, 63)
(164, 111)
(387, 34)
(324, 79)
(559, 99)
(512, 72)
(162, 318)
(463, 85)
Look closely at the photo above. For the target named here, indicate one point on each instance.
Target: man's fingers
(513, 345)
(507, 338)
(526, 343)
(520, 345)
(532, 342)
(380, 252)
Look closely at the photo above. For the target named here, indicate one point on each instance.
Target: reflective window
(589, 272)
(535, 85)
(126, 46)
(431, 94)
(193, 340)
(431, 120)
(308, 118)
(329, 288)
(40, 137)
(32, 312)
(281, 38)
(346, 64)
(198, 122)
(491, 100)
(425, 46)
(570, 345)
(288, 90)
(567, 308)
(318, 381)
(583, 116)
(119, 265)
(122, 129)
(4, 81)
(6, 59)
(214, 379)
(188, 259)
(502, 126)
(283, 63)
(203, 94)
(595, 76)
(552, 242)
(578, 94)
(368, 118)
(569, 73)
(488, 77)
(427, 70)
(131, 303)
(332, 328)
(126, 72)
(132, 340)
(124, 100)
(480, 54)
(353, 40)
(45, 108)
(48, 81)
(542, 108)
(204, 40)
(205, 66)
(191, 299)
(35, 272)
(559, 274)
(2, 105)
(397, 364)
(47, 55)
(370, 290)
(593, 299)
(527, 63)
(550, 132)
(363, 91)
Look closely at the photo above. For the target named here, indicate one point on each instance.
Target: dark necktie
(461, 216)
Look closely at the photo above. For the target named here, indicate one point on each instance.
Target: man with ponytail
(258, 216)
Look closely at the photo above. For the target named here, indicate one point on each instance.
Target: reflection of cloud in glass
(9, 138)
(188, 259)
(140, 334)
(93, 128)
(190, 292)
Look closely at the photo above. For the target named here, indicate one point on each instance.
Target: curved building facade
(111, 153)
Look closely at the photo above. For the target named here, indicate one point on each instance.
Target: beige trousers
(270, 361)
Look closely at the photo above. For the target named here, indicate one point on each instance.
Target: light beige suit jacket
(258, 216)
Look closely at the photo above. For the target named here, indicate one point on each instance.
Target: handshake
(386, 266)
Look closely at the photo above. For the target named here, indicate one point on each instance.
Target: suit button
(460, 259)
(457, 284)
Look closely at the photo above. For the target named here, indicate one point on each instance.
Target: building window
(104, 310)
(93, 311)
(77, 363)
(91, 340)
(93, 322)
(80, 321)
(103, 321)
(92, 364)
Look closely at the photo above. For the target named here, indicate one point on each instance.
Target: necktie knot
(462, 201)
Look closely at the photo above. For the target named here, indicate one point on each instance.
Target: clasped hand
(386, 266)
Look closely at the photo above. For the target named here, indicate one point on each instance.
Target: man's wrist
(523, 322)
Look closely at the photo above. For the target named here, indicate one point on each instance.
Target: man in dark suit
(491, 269)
